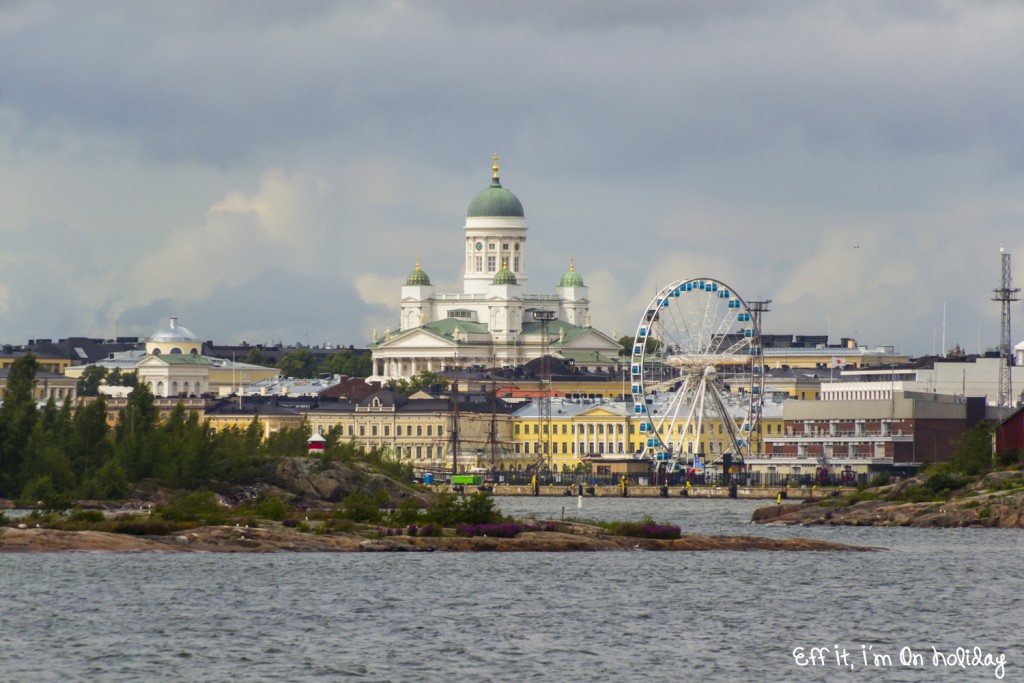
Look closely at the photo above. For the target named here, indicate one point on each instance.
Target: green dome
(418, 276)
(495, 201)
(504, 276)
(572, 278)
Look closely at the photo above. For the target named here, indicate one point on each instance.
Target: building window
(479, 263)
(387, 430)
(492, 264)
(517, 429)
(419, 430)
(373, 430)
(398, 430)
(430, 430)
(504, 246)
(515, 262)
(362, 430)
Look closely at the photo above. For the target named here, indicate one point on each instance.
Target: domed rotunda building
(493, 322)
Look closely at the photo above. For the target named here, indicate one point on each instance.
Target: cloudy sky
(271, 170)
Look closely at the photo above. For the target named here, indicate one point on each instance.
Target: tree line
(69, 450)
(304, 363)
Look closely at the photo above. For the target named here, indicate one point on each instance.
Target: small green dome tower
(418, 276)
(572, 278)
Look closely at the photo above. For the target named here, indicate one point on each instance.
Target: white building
(173, 364)
(968, 377)
(493, 321)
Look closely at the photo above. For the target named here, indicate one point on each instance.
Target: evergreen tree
(17, 420)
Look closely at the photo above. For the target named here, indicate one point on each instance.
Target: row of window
(610, 429)
(493, 264)
(385, 430)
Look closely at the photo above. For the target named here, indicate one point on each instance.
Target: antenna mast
(1005, 294)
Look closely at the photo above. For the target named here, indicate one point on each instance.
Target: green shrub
(449, 510)
(645, 528)
(194, 506)
(1010, 457)
(430, 529)
(944, 483)
(80, 515)
(272, 507)
(407, 512)
(360, 507)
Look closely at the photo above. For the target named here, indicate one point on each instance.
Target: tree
(88, 445)
(256, 357)
(347, 362)
(300, 363)
(17, 420)
(972, 452)
(650, 346)
(91, 379)
(423, 379)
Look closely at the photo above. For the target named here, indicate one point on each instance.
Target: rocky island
(939, 500)
(231, 539)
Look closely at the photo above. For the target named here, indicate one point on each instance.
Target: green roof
(572, 278)
(495, 201)
(418, 276)
(504, 276)
(183, 359)
(442, 328)
(554, 329)
(446, 328)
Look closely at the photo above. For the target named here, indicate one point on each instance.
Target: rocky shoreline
(994, 501)
(227, 539)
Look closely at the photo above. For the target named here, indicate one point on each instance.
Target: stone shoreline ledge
(226, 539)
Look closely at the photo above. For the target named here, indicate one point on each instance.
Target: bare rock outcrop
(225, 539)
(979, 505)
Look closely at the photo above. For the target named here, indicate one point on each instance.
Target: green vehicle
(467, 480)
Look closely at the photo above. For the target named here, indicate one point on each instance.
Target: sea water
(934, 605)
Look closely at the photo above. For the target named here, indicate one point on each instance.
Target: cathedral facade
(493, 322)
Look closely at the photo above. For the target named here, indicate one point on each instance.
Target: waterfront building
(860, 437)
(426, 432)
(583, 429)
(494, 322)
(972, 376)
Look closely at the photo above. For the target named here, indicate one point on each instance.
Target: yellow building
(418, 431)
(51, 364)
(586, 429)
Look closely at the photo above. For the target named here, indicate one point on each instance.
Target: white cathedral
(493, 322)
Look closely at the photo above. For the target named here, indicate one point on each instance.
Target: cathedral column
(413, 366)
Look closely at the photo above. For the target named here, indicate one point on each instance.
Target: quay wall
(747, 492)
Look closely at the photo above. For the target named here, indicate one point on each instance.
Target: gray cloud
(649, 140)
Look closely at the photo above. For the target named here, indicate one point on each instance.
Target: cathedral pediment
(419, 338)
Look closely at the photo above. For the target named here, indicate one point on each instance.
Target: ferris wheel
(697, 375)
